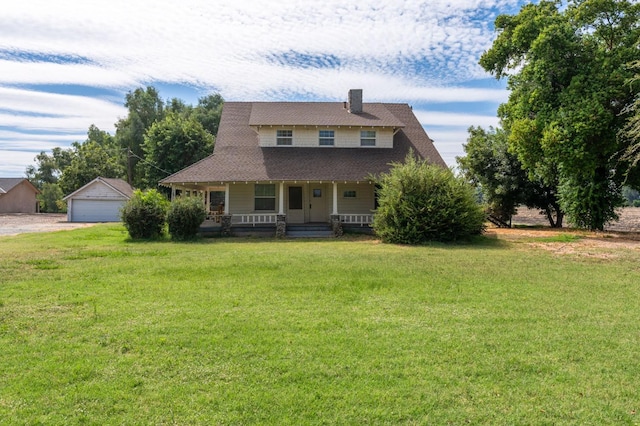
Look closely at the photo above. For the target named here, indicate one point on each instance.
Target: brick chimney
(355, 101)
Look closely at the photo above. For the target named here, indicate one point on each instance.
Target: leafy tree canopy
(504, 183)
(631, 131)
(145, 108)
(48, 167)
(124, 156)
(566, 70)
(172, 144)
(99, 155)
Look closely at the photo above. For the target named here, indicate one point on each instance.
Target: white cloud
(456, 120)
(415, 51)
(14, 163)
(55, 73)
(227, 44)
(448, 142)
(30, 110)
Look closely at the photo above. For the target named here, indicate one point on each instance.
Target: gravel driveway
(20, 223)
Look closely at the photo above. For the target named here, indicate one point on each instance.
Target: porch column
(281, 201)
(226, 198)
(173, 192)
(207, 200)
(335, 199)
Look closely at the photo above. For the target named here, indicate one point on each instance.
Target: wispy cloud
(450, 119)
(227, 43)
(32, 110)
(421, 52)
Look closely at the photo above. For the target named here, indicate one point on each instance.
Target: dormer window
(367, 138)
(284, 137)
(326, 137)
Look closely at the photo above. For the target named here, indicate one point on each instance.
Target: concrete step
(319, 227)
(309, 230)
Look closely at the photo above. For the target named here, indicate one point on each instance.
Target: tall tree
(631, 131)
(99, 155)
(45, 175)
(566, 73)
(504, 183)
(173, 144)
(145, 108)
(208, 112)
(48, 167)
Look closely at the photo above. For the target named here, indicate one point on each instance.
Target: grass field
(95, 329)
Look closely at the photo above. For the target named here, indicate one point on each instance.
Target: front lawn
(95, 329)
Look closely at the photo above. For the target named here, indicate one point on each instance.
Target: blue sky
(65, 65)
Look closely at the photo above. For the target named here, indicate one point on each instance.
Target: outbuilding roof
(7, 184)
(117, 185)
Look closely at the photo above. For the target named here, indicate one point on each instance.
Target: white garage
(98, 201)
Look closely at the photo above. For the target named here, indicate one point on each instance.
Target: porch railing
(213, 217)
(254, 219)
(356, 219)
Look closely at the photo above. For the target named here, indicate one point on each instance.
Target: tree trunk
(557, 221)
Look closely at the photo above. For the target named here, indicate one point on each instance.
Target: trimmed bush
(419, 202)
(185, 217)
(144, 214)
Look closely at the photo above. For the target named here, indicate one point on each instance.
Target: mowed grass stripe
(100, 330)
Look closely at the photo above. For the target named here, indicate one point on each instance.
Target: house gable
(328, 124)
(104, 189)
(239, 156)
(18, 195)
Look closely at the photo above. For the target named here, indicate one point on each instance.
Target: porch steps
(316, 230)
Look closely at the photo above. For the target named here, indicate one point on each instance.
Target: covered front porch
(266, 203)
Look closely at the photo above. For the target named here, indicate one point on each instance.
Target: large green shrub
(145, 213)
(419, 202)
(185, 217)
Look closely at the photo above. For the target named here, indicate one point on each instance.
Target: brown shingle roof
(238, 157)
(7, 184)
(120, 185)
(319, 114)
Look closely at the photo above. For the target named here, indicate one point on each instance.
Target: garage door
(96, 210)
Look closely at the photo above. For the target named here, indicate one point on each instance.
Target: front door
(295, 212)
(318, 203)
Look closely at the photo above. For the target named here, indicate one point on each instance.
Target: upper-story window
(367, 138)
(284, 137)
(326, 137)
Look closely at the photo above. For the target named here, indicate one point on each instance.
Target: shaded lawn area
(95, 329)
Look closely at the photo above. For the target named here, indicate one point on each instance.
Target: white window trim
(368, 138)
(283, 138)
(327, 138)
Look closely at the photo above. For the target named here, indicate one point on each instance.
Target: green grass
(560, 238)
(95, 329)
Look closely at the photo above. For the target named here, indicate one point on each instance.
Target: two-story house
(302, 162)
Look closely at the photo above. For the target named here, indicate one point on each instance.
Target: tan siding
(344, 137)
(241, 198)
(21, 199)
(362, 204)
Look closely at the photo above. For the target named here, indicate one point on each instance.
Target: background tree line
(568, 141)
(154, 140)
